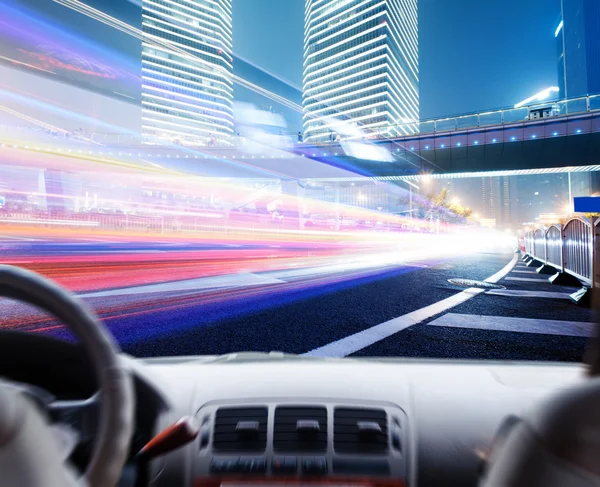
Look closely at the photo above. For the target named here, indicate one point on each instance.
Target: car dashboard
(343, 421)
(275, 419)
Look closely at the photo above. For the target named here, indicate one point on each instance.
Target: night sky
(474, 54)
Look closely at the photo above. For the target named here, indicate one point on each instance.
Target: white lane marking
(365, 338)
(502, 272)
(528, 294)
(521, 325)
(527, 279)
(227, 281)
(525, 272)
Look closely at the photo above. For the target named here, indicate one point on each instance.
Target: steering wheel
(27, 456)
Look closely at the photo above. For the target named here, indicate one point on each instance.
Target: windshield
(330, 178)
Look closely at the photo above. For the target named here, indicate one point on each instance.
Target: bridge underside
(309, 162)
(580, 150)
(563, 142)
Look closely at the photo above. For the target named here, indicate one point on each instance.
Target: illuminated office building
(496, 200)
(578, 42)
(361, 67)
(187, 68)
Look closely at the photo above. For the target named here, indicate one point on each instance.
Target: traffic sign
(586, 204)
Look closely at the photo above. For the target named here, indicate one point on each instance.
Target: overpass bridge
(496, 141)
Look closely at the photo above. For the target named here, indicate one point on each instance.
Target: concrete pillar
(336, 187)
(53, 182)
(41, 189)
(301, 206)
(293, 188)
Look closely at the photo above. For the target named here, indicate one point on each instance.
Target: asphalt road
(302, 305)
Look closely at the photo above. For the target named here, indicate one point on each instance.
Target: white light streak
(541, 96)
(558, 29)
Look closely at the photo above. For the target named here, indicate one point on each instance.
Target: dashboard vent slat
(228, 436)
(357, 430)
(295, 429)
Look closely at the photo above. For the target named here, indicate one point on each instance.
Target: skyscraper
(496, 199)
(187, 85)
(578, 41)
(361, 67)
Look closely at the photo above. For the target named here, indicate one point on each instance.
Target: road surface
(173, 298)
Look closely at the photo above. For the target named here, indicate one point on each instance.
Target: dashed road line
(526, 279)
(520, 325)
(365, 338)
(516, 293)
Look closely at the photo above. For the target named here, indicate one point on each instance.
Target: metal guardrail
(554, 247)
(528, 243)
(539, 244)
(571, 248)
(577, 241)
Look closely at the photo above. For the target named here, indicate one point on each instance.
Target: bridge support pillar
(53, 184)
(337, 205)
(41, 189)
(301, 207)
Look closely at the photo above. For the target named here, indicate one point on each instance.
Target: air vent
(360, 430)
(300, 428)
(240, 429)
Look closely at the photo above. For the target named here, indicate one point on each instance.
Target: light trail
(196, 187)
(32, 120)
(33, 221)
(308, 269)
(21, 63)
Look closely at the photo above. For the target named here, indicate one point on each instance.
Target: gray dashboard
(448, 412)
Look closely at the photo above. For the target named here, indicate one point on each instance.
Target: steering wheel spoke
(80, 415)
